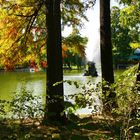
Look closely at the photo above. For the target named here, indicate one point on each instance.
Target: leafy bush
(23, 105)
(128, 100)
(26, 105)
(88, 97)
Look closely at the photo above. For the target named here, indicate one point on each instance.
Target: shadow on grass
(83, 129)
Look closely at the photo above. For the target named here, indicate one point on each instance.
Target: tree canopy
(125, 30)
(23, 31)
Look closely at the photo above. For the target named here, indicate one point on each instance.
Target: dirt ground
(84, 128)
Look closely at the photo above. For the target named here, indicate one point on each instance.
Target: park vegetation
(31, 31)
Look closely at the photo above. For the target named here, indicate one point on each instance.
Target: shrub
(22, 106)
(26, 105)
(128, 100)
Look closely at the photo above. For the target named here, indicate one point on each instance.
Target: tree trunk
(105, 42)
(106, 56)
(55, 95)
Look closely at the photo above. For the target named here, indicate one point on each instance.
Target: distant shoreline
(28, 69)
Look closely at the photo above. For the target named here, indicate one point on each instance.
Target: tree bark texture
(55, 95)
(109, 101)
(105, 41)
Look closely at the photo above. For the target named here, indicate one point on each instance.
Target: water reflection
(36, 82)
(71, 89)
(82, 81)
(11, 82)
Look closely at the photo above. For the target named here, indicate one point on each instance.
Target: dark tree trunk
(106, 56)
(55, 95)
(105, 42)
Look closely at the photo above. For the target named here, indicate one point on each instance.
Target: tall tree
(130, 19)
(105, 41)
(55, 95)
(106, 56)
(120, 38)
(75, 52)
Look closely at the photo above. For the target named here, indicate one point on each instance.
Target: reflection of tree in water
(91, 70)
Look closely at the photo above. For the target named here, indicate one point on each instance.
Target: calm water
(36, 82)
(12, 81)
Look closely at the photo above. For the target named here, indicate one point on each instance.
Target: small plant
(3, 104)
(26, 105)
(88, 97)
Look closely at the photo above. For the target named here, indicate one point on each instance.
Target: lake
(11, 82)
(36, 82)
